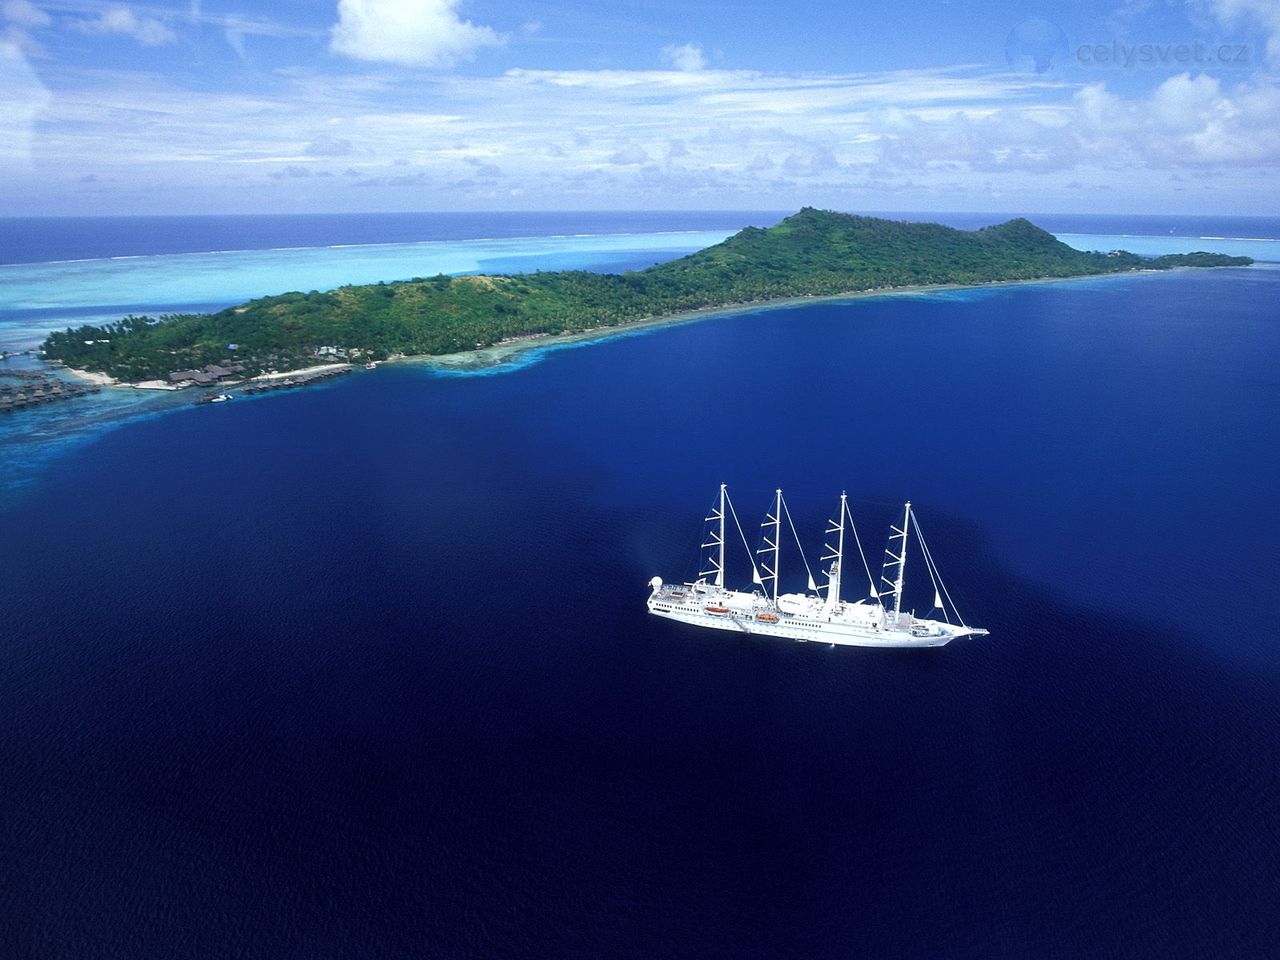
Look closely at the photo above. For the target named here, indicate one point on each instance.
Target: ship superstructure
(820, 614)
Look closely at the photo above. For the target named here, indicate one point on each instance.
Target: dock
(25, 389)
(297, 380)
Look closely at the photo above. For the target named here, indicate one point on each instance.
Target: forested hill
(811, 253)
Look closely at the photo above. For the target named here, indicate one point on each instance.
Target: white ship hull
(820, 615)
(799, 618)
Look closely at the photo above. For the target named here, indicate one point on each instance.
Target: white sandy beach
(100, 379)
(301, 371)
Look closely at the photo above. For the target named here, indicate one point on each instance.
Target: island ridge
(811, 253)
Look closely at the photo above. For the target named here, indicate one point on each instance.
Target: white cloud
(629, 155)
(1188, 122)
(22, 98)
(686, 56)
(147, 31)
(751, 92)
(1097, 107)
(1266, 12)
(24, 13)
(329, 146)
(423, 33)
(716, 137)
(814, 161)
(1183, 103)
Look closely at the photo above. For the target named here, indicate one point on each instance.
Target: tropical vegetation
(811, 253)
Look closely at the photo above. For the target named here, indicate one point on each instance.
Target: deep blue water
(364, 670)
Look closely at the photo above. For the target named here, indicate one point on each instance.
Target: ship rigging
(820, 614)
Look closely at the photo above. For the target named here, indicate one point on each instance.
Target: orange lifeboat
(767, 617)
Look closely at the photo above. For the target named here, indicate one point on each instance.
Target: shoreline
(503, 353)
(299, 372)
(98, 379)
(485, 358)
(103, 380)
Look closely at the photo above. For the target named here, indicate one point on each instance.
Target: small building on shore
(207, 376)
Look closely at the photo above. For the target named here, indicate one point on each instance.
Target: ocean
(365, 670)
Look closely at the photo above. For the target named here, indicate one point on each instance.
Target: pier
(296, 380)
(24, 389)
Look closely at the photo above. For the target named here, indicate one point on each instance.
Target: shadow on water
(301, 723)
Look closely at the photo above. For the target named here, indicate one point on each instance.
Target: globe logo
(1035, 46)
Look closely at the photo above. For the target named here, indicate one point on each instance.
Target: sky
(291, 106)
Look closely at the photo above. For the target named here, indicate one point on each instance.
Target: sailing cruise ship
(820, 614)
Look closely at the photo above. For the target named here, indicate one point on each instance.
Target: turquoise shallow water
(38, 297)
(1260, 248)
(35, 298)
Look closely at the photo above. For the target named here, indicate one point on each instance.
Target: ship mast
(772, 546)
(720, 566)
(898, 560)
(837, 558)
(717, 540)
(902, 562)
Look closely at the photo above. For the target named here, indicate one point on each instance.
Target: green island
(812, 253)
